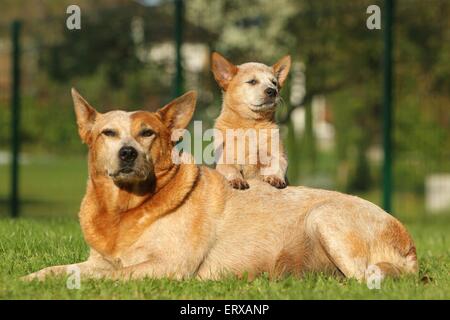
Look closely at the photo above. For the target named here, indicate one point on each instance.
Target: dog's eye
(109, 133)
(147, 133)
(274, 82)
(252, 82)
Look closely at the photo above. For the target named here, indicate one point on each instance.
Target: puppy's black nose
(271, 92)
(128, 154)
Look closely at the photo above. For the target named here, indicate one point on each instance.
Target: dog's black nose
(271, 92)
(128, 154)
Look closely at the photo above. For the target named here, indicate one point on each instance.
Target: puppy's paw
(275, 181)
(239, 183)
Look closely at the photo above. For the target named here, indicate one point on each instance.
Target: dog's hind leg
(358, 250)
(345, 249)
(343, 257)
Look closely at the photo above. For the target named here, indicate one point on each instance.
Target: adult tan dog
(250, 97)
(144, 216)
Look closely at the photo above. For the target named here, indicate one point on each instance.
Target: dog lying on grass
(145, 216)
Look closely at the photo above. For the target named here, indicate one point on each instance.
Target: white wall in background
(437, 192)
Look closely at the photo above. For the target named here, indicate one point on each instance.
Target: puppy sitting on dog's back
(246, 131)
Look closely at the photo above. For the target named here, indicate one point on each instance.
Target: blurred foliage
(99, 48)
(343, 62)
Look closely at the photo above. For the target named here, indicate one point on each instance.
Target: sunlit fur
(246, 106)
(186, 221)
(105, 149)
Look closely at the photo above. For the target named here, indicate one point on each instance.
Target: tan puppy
(145, 216)
(250, 96)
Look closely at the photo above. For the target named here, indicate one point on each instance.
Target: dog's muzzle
(131, 167)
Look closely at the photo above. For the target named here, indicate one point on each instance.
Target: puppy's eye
(147, 133)
(252, 82)
(109, 133)
(274, 82)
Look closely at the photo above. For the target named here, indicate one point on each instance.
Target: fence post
(387, 106)
(179, 13)
(15, 116)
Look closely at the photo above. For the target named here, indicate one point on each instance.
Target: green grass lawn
(49, 234)
(49, 186)
(27, 245)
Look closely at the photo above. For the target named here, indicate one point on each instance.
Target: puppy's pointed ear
(223, 70)
(178, 113)
(281, 69)
(85, 115)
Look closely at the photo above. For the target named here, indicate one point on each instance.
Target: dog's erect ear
(178, 113)
(223, 70)
(281, 69)
(85, 115)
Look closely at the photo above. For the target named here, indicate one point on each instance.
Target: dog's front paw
(44, 273)
(239, 183)
(39, 276)
(275, 181)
